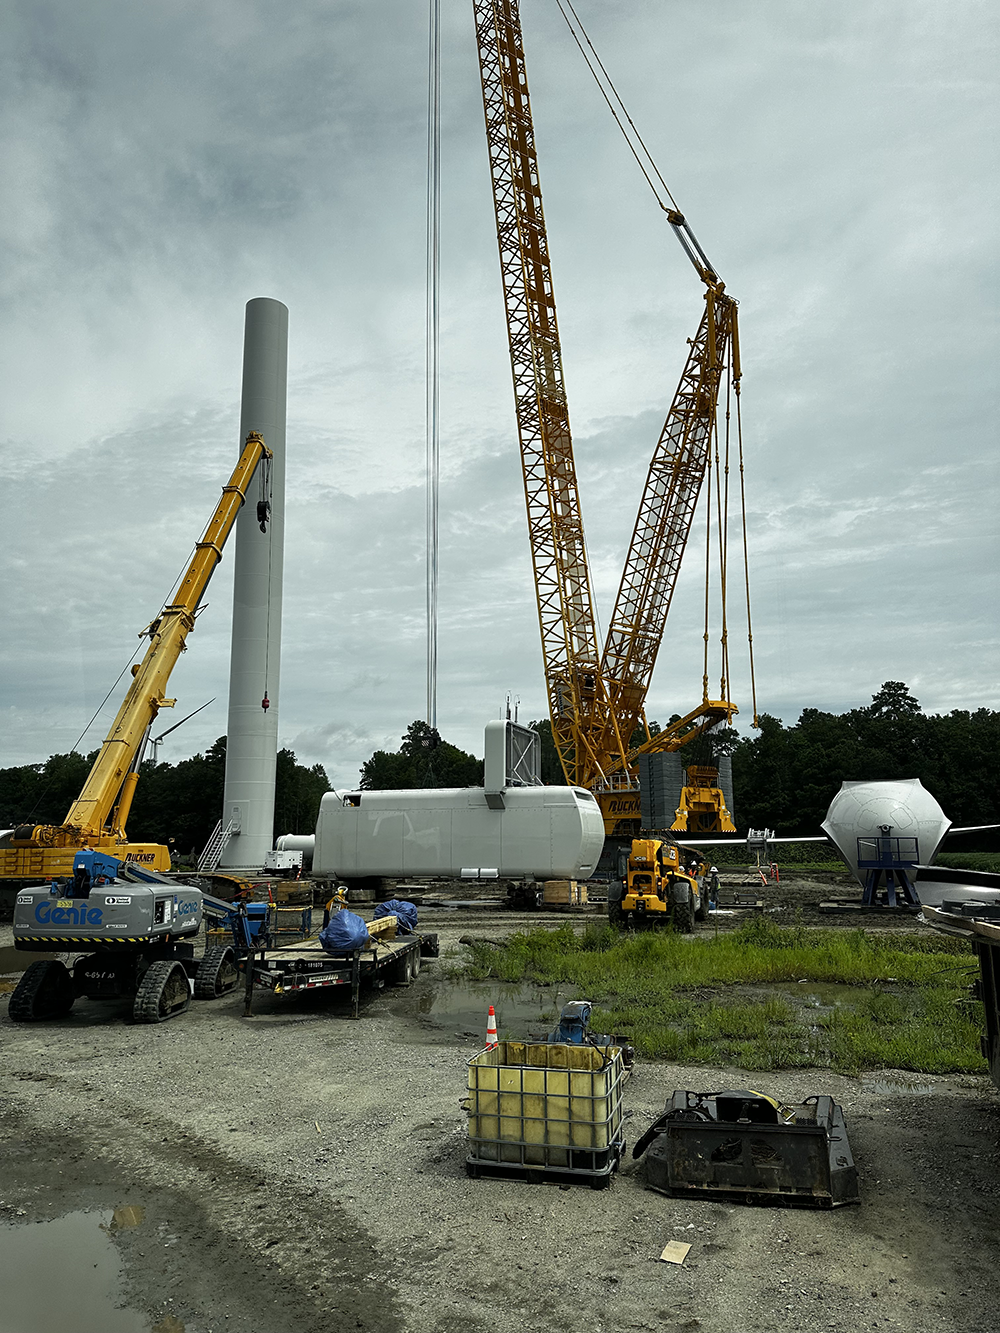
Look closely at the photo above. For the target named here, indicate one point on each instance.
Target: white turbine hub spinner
(863, 809)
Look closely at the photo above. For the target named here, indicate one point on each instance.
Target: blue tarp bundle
(344, 933)
(405, 914)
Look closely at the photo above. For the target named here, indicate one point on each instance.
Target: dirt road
(301, 1172)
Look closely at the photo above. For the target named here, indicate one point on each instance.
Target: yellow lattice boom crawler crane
(98, 816)
(597, 696)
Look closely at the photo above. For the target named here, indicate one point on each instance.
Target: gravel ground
(301, 1171)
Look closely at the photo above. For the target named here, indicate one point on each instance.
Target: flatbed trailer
(306, 966)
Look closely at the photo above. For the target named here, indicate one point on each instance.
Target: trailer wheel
(45, 991)
(163, 992)
(414, 964)
(217, 974)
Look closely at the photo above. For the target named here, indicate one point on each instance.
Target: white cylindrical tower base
(252, 744)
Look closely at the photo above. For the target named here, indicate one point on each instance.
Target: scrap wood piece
(675, 1252)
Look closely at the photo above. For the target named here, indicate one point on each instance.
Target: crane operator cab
(658, 889)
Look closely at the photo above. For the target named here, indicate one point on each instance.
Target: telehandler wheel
(616, 917)
(217, 974)
(684, 917)
(163, 992)
(45, 991)
(701, 914)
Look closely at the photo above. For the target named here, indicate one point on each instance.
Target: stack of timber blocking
(564, 893)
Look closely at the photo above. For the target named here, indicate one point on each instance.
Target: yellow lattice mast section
(583, 724)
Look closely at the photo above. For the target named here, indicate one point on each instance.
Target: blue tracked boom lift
(136, 929)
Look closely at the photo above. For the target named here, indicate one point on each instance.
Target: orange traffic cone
(491, 1029)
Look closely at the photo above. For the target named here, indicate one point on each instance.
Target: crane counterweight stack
(596, 697)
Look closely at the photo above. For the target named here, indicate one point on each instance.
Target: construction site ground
(301, 1172)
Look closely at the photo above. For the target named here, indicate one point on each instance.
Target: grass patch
(985, 861)
(908, 1007)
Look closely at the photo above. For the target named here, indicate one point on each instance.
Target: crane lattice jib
(676, 472)
(167, 636)
(582, 720)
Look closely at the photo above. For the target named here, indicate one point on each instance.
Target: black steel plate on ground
(805, 1162)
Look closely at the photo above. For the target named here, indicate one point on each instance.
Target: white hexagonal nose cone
(861, 809)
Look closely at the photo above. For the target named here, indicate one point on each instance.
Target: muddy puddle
(818, 994)
(459, 1009)
(15, 961)
(66, 1274)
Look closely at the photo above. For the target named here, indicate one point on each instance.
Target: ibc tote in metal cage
(538, 1108)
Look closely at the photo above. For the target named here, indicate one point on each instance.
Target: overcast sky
(164, 163)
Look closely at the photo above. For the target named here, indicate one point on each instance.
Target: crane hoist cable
(726, 350)
(636, 144)
(432, 389)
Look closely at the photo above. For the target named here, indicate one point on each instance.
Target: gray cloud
(164, 164)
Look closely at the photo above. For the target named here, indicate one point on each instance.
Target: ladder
(216, 845)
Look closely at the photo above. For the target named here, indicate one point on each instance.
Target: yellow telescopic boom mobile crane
(97, 817)
(596, 697)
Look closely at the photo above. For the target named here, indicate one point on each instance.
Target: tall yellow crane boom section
(582, 719)
(596, 704)
(92, 818)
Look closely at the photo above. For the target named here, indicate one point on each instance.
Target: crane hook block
(265, 703)
(263, 514)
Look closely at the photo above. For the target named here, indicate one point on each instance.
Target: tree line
(784, 777)
(176, 804)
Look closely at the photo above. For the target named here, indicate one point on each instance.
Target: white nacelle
(545, 832)
(860, 809)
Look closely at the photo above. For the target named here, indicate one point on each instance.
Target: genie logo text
(80, 914)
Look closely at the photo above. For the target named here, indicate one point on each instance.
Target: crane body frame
(596, 703)
(94, 819)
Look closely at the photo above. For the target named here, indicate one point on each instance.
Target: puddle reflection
(65, 1274)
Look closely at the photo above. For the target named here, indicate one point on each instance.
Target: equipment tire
(44, 991)
(701, 913)
(217, 974)
(616, 917)
(159, 996)
(684, 917)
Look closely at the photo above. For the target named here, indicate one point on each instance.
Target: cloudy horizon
(163, 165)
